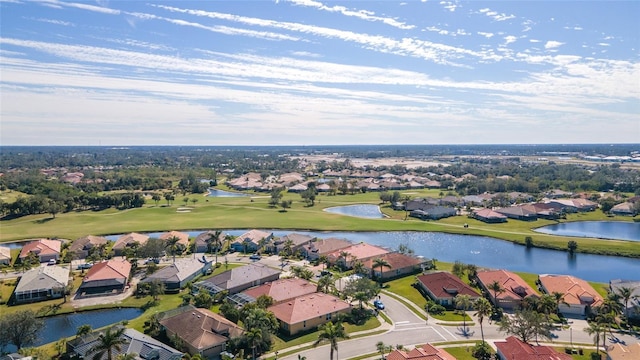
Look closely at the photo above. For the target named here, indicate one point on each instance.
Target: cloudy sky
(309, 72)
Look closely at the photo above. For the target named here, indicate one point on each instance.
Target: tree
(156, 198)
(482, 351)
(382, 349)
(625, 294)
(526, 325)
(285, 204)
(214, 241)
(326, 284)
(463, 302)
(254, 336)
(572, 246)
(156, 288)
(301, 272)
(497, 288)
(203, 300)
(359, 268)
(547, 305)
(595, 329)
(20, 328)
(83, 330)
(483, 310)
(331, 333)
(528, 241)
(361, 285)
(558, 297)
(108, 341)
(174, 246)
(380, 263)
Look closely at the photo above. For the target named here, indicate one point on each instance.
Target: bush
(596, 356)
(436, 309)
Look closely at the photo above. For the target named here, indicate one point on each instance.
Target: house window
(328, 317)
(304, 324)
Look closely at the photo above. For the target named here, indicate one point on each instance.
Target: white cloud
(509, 39)
(495, 15)
(551, 44)
(449, 5)
(488, 35)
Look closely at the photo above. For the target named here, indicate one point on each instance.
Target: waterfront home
(137, 344)
(488, 216)
(129, 240)
(178, 274)
(624, 209)
(320, 247)
(41, 283)
(297, 242)
(361, 251)
(579, 297)
(106, 278)
(81, 246)
(183, 238)
(202, 238)
(424, 352)
(576, 205)
(5, 255)
(45, 250)
(399, 265)
(442, 287)
(518, 212)
(201, 331)
(307, 312)
(252, 241)
(514, 348)
(281, 290)
(633, 307)
(237, 279)
(512, 288)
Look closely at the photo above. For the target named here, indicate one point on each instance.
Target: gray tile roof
(43, 277)
(138, 343)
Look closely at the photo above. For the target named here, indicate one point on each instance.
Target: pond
(362, 210)
(223, 193)
(615, 230)
(61, 326)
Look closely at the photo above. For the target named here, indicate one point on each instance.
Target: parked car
(150, 260)
(378, 304)
(52, 262)
(255, 257)
(85, 266)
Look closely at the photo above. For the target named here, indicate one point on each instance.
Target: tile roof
(515, 349)
(488, 214)
(130, 238)
(87, 242)
(445, 285)
(297, 239)
(324, 246)
(201, 239)
(5, 253)
(41, 247)
(360, 251)
(184, 237)
(513, 285)
(253, 236)
(178, 271)
(426, 352)
(43, 277)
(138, 343)
(241, 275)
(201, 328)
(307, 307)
(623, 352)
(396, 260)
(283, 289)
(576, 291)
(107, 270)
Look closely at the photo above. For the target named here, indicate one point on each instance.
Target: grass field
(254, 212)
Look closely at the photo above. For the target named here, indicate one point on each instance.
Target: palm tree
(214, 241)
(380, 263)
(483, 310)
(228, 239)
(595, 329)
(111, 339)
(332, 333)
(625, 294)
(83, 330)
(547, 305)
(343, 255)
(497, 288)
(172, 244)
(326, 283)
(381, 348)
(463, 301)
(254, 336)
(358, 267)
(559, 299)
(323, 260)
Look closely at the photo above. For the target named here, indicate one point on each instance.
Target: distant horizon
(307, 72)
(332, 145)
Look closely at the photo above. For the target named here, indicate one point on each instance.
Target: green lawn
(254, 212)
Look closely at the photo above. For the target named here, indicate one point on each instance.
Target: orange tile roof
(130, 238)
(111, 269)
(283, 289)
(426, 352)
(41, 247)
(446, 285)
(509, 281)
(624, 352)
(359, 251)
(307, 307)
(576, 291)
(324, 246)
(396, 260)
(184, 237)
(515, 349)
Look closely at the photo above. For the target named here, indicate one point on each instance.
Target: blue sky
(306, 72)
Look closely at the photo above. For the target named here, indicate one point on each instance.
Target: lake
(362, 210)
(615, 230)
(222, 193)
(61, 326)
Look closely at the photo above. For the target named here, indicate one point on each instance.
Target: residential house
(477, 200)
(141, 346)
(442, 287)
(202, 238)
(557, 194)
(624, 209)
(355, 252)
(297, 242)
(576, 205)
(202, 331)
(399, 265)
(45, 249)
(81, 247)
(618, 351)
(298, 188)
(550, 211)
(514, 289)
(488, 216)
(518, 212)
(515, 349)
(434, 213)
(424, 352)
(237, 279)
(177, 275)
(281, 290)
(633, 307)
(106, 278)
(183, 238)
(307, 312)
(41, 283)
(320, 247)
(578, 297)
(252, 240)
(5, 255)
(128, 240)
